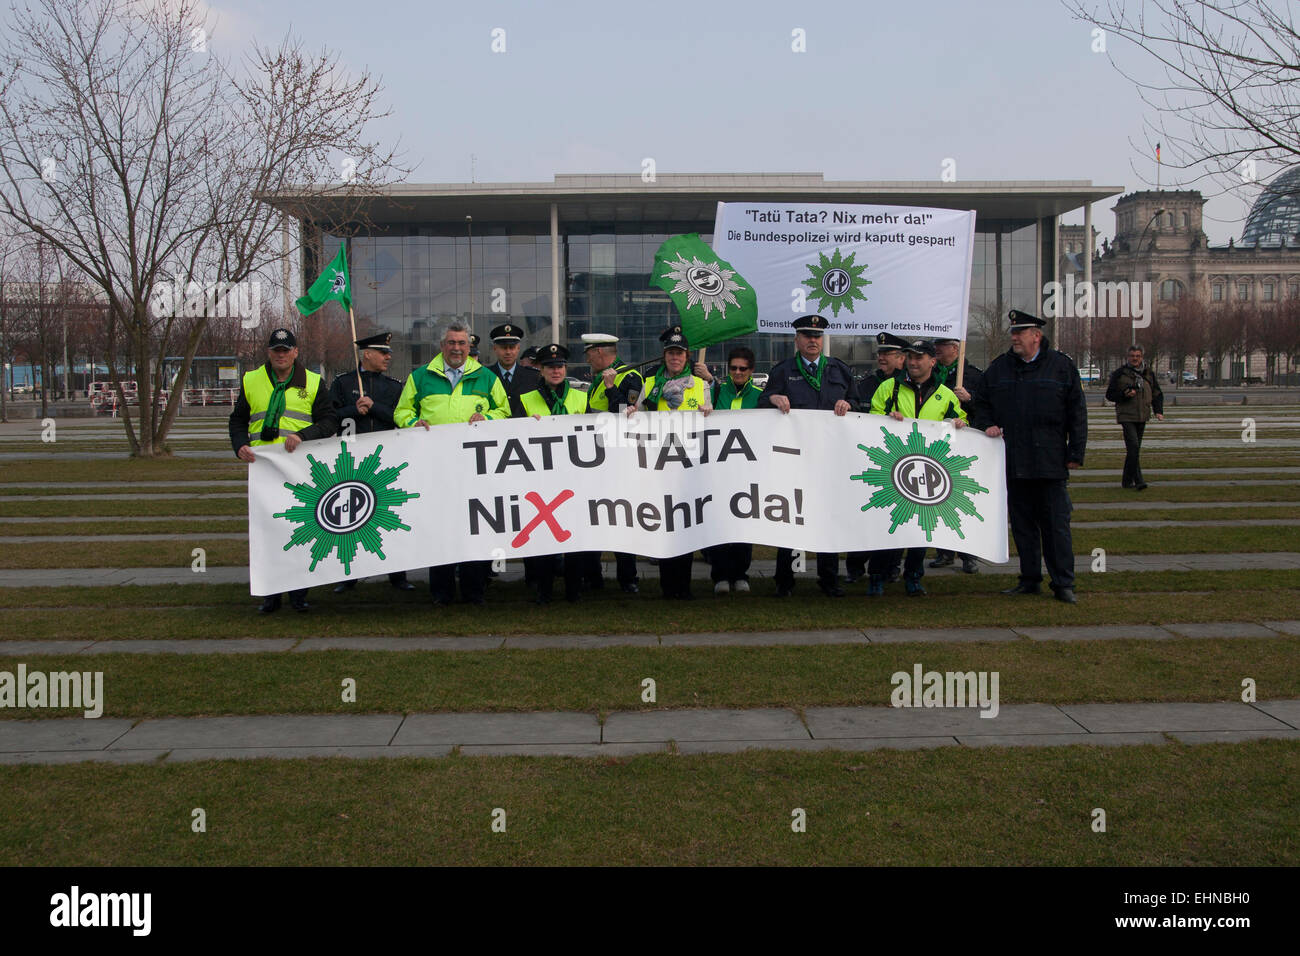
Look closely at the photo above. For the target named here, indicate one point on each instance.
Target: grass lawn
(1171, 805)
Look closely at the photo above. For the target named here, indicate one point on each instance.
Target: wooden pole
(355, 354)
(961, 361)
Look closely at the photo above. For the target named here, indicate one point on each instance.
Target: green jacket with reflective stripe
(428, 395)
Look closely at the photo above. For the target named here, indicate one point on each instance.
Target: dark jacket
(324, 422)
(525, 379)
(1148, 400)
(786, 379)
(1040, 408)
(971, 377)
(384, 391)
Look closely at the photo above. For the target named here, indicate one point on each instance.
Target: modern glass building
(575, 255)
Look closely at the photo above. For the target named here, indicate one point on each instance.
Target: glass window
(1243, 291)
(1186, 220)
(1268, 291)
(1293, 290)
(1169, 219)
(1217, 292)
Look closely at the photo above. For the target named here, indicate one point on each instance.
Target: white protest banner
(657, 484)
(867, 269)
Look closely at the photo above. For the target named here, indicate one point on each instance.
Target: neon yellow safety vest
(428, 394)
(891, 397)
(296, 416)
(695, 396)
(575, 402)
(597, 400)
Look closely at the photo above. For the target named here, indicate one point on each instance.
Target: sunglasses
(738, 368)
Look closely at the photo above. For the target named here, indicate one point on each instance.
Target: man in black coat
(1137, 396)
(515, 378)
(1032, 398)
(948, 351)
(366, 397)
(810, 380)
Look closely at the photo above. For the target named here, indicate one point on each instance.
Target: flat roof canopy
(671, 198)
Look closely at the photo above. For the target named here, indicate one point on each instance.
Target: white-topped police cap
(591, 340)
(506, 334)
(674, 338)
(282, 339)
(552, 355)
(812, 324)
(889, 342)
(1023, 320)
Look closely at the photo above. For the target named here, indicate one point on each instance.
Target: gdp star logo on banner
(346, 507)
(868, 269)
(921, 481)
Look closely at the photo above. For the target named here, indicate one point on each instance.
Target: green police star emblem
(921, 481)
(346, 507)
(836, 282)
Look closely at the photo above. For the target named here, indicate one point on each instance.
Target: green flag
(714, 301)
(334, 283)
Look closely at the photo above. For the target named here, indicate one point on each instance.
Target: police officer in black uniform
(1031, 397)
(810, 380)
(889, 365)
(948, 352)
(515, 377)
(367, 397)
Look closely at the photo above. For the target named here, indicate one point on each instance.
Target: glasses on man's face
(739, 368)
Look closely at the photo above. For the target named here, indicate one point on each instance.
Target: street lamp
(1137, 253)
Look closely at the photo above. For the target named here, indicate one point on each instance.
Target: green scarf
(555, 399)
(275, 407)
(662, 378)
(944, 372)
(812, 378)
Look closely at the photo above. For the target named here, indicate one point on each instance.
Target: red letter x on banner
(545, 512)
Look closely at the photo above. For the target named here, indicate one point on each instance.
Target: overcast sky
(885, 90)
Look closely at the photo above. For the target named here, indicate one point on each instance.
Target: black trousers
(675, 574)
(473, 580)
(541, 572)
(1040, 525)
(882, 562)
(1132, 449)
(828, 567)
(730, 562)
(856, 562)
(624, 563)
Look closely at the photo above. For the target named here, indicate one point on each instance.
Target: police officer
(367, 398)
(917, 394)
(473, 345)
(674, 388)
(1031, 397)
(453, 388)
(810, 380)
(516, 378)
(614, 386)
(554, 396)
(529, 357)
(280, 402)
(889, 364)
(948, 351)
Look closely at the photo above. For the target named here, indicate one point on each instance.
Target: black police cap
(920, 347)
(812, 324)
(888, 342)
(282, 339)
(1023, 320)
(505, 334)
(380, 342)
(552, 355)
(674, 338)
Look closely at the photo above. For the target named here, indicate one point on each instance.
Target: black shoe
(442, 600)
(1066, 595)
(970, 566)
(403, 585)
(1126, 484)
(784, 591)
(542, 599)
(831, 589)
(594, 584)
(1023, 588)
(300, 605)
(344, 586)
(913, 584)
(270, 605)
(942, 561)
(477, 600)
(893, 576)
(851, 578)
(630, 588)
(1142, 486)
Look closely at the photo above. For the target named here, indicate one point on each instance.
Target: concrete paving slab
(763, 638)
(202, 645)
(1135, 632)
(1169, 717)
(1287, 711)
(82, 756)
(533, 642)
(1061, 740)
(920, 635)
(315, 730)
(530, 728)
(564, 750)
(61, 733)
(1222, 629)
(683, 725)
(843, 743)
(23, 648)
(1231, 736)
(399, 644)
(107, 538)
(299, 753)
(1284, 627)
(828, 722)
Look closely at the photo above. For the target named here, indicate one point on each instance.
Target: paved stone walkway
(759, 570)
(488, 642)
(176, 740)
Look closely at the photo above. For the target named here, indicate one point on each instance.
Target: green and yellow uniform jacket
(306, 410)
(543, 400)
(695, 397)
(429, 395)
(726, 396)
(627, 383)
(929, 400)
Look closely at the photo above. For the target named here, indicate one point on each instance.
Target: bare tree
(140, 155)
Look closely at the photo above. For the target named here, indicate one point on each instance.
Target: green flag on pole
(334, 284)
(714, 301)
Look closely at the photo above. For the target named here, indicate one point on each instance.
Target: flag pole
(961, 361)
(355, 354)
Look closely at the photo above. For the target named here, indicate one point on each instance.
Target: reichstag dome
(1275, 217)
